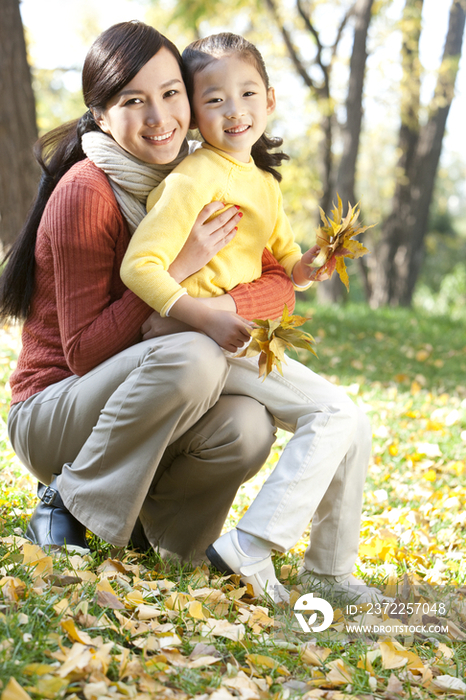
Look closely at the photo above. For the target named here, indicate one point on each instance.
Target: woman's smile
(150, 117)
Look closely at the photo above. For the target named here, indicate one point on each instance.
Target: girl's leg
(106, 432)
(200, 474)
(314, 474)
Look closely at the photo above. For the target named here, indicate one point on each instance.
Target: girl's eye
(249, 93)
(214, 100)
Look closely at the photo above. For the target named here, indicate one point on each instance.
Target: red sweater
(82, 313)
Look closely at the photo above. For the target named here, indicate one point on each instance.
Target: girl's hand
(303, 273)
(205, 240)
(156, 326)
(228, 329)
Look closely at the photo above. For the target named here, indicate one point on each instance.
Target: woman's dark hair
(201, 53)
(113, 60)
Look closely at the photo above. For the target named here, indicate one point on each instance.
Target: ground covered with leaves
(117, 624)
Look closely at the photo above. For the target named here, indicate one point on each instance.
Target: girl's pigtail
(264, 159)
(56, 153)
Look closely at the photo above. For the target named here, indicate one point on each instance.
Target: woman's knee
(196, 364)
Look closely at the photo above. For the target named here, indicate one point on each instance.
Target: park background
(371, 98)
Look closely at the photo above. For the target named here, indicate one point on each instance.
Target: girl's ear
(271, 101)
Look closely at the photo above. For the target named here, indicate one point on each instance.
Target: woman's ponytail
(56, 153)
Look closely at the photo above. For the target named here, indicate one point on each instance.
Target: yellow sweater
(205, 176)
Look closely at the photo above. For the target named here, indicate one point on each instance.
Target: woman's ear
(99, 118)
(271, 101)
(193, 123)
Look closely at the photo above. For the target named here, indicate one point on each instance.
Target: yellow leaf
(394, 655)
(223, 628)
(313, 655)
(340, 673)
(51, 686)
(260, 661)
(177, 601)
(75, 635)
(13, 691)
(197, 611)
(336, 241)
(148, 612)
(273, 338)
(12, 588)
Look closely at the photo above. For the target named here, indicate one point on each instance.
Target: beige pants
(156, 403)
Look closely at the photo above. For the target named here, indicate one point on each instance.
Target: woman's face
(150, 116)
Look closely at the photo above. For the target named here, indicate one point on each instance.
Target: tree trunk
(400, 255)
(18, 132)
(333, 290)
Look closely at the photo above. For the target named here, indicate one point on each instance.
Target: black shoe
(52, 524)
(138, 540)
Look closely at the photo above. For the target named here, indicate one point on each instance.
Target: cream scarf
(131, 179)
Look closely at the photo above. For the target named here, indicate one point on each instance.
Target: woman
(112, 407)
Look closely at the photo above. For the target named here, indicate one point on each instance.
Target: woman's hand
(205, 240)
(156, 326)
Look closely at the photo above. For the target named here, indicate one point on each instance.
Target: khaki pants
(321, 473)
(156, 403)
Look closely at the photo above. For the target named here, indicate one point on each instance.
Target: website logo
(307, 603)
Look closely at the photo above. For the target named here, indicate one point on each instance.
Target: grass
(117, 624)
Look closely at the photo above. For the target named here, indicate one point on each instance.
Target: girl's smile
(231, 105)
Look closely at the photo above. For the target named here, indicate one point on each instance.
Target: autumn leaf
(335, 239)
(271, 338)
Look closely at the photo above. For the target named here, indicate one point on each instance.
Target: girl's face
(150, 116)
(231, 105)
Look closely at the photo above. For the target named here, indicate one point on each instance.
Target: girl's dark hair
(113, 60)
(200, 53)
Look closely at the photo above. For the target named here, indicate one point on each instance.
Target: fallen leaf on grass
(223, 628)
(394, 686)
(244, 686)
(13, 691)
(12, 588)
(394, 655)
(260, 662)
(313, 655)
(108, 600)
(449, 684)
(340, 673)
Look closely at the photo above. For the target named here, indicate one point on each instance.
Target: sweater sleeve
(265, 297)
(86, 230)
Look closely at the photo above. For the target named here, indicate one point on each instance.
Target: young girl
(322, 470)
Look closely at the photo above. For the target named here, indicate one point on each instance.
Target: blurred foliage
(55, 102)
(297, 120)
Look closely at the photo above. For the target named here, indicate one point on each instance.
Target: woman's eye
(133, 101)
(170, 93)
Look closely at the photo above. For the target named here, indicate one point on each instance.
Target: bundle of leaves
(336, 241)
(271, 339)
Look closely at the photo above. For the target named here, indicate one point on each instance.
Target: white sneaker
(351, 588)
(228, 557)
